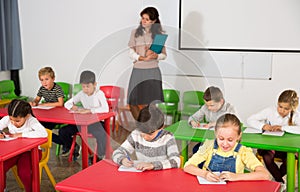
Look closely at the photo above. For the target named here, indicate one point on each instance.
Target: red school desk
(104, 176)
(62, 115)
(17, 146)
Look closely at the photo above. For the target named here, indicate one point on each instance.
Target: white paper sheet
(42, 107)
(252, 130)
(202, 126)
(128, 169)
(202, 180)
(274, 133)
(7, 138)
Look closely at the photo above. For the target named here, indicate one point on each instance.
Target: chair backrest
(76, 88)
(192, 101)
(171, 100)
(67, 89)
(7, 89)
(112, 94)
(171, 96)
(46, 147)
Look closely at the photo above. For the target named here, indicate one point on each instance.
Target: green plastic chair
(192, 102)
(170, 104)
(7, 90)
(76, 89)
(67, 89)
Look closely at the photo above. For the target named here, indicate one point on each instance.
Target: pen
(127, 156)
(208, 169)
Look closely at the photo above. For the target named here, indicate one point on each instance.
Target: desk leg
(84, 144)
(2, 176)
(108, 147)
(290, 172)
(298, 173)
(35, 169)
(184, 150)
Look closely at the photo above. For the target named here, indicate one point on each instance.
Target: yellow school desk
(287, 143)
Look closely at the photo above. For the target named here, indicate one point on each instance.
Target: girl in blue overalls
(226, 155)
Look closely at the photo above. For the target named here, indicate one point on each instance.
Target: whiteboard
(218, 64)
(199, 63)
(240, 25)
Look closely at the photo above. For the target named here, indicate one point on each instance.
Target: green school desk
(288, 143)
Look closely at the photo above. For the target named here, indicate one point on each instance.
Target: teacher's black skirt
(145, 87)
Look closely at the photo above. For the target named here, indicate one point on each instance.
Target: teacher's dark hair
(155, 28)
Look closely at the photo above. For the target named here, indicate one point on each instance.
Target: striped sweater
(162, 152)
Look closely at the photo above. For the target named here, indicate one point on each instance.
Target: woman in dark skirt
(145, 85)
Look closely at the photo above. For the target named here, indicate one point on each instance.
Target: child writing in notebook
(52, 94)
(283, 117)
(214, 107)
(93, 101)
(21, 123)
(155, 148)
(226, 155)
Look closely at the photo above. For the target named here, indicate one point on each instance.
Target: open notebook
(202, 180)
(129, 169)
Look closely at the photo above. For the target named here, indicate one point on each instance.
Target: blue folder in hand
(158, 43)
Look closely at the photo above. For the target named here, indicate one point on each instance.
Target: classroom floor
(62, 169)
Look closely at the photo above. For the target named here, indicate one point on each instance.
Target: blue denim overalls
(219, 163)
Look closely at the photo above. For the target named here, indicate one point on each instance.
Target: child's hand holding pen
(210, 176)
(195, 123)
(269, 127)
(127, 162)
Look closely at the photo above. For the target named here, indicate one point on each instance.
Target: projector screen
(240, 25)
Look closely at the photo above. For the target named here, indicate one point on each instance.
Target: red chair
(112, 94)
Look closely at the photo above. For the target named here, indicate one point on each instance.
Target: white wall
(73, 35)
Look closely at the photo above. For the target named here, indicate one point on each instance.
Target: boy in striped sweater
(155, 148)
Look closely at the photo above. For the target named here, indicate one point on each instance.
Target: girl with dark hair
(21, 123)
(145, 85)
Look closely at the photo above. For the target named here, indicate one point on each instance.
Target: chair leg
(95, 154)
(50, 176)
(15, 172)
(57, 152)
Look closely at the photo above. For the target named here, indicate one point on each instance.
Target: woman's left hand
(144, 166)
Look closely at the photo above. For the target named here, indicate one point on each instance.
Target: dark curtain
(10, 40)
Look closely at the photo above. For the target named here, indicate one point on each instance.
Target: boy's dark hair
(150, 119)
(87, 77)
(213, 93)
(228, 118)
(19, 108)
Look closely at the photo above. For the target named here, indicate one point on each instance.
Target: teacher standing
(145, 85)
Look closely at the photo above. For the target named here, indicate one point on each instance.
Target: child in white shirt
(21, 123)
